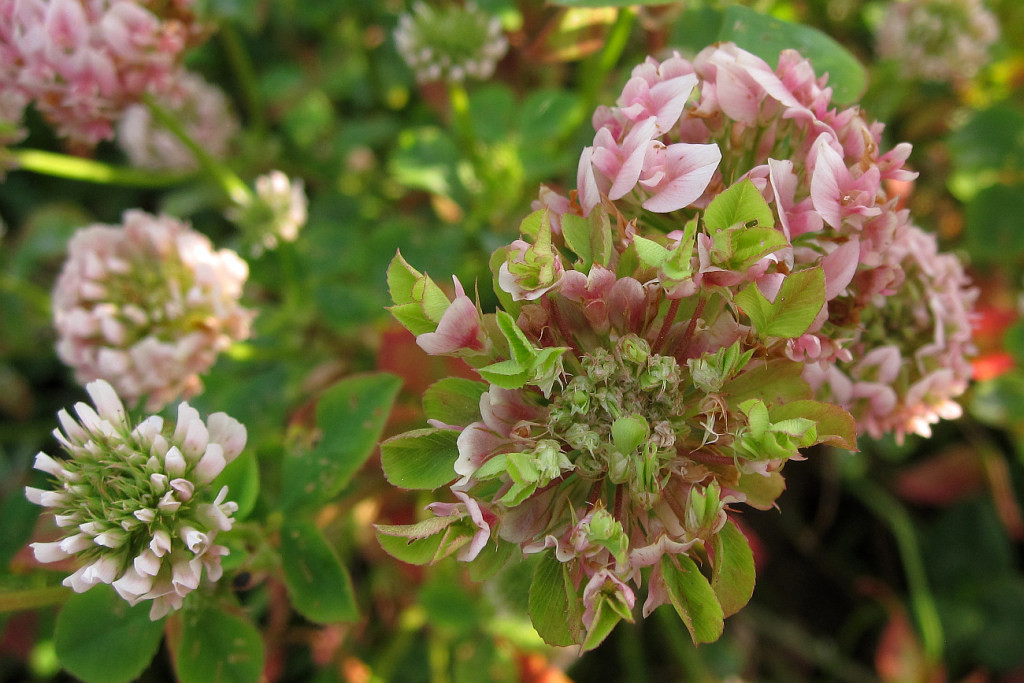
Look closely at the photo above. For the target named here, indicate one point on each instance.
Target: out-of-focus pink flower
(83, 62)
(202, 110)
(147, 306)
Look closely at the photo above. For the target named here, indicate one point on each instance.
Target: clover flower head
(135, 503)
(82, 63)
(938, 40)
(201, 108)
(147, 306)
(275, 213)
(666, 337)
(450, 43)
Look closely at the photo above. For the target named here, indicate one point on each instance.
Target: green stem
(922, 602)
(233, 187)
(631, 651)
(242, 66)
(89, 170)
(596, 69)
(823, 653)
(32, 598)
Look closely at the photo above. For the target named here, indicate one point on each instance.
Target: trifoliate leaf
(693, 598)
(732, 576)
(795, 307)
(741, 204)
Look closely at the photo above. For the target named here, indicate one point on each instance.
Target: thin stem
(805, 644)
(233, 187)
(922, 602)
(684, 343)
(89, 170)
(242, 66)
(670, 317)
(32, 598)
(597, 67)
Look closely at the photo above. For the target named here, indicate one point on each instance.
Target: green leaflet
(420, 459)
(218, 646)
(732, 576)
(556, 610)
(101, 639)
(693, 598)
(310, 566)
(351, 416)
(795, 307)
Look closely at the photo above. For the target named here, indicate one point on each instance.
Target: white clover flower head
(450, 43)
(135, 502)
(82, 62)
(938, 40)
(201, 108)
(275, 213)
(147, 306)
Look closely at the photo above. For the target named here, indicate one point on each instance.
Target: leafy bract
(796, 305)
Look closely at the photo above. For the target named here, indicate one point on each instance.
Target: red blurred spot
(992, 365)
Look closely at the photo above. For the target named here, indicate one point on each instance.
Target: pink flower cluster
(82, 62)
(822, 171)
(729, 283)
(147, 306)
(201, 108)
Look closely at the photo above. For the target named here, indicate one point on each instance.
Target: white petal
(45, 463)
(174, 462)
(107, 403)
(49, 552)
(211, 465)
(229, 433)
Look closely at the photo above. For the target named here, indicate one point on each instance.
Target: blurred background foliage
(899, 563)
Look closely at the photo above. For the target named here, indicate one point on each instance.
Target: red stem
(666, 325)
(684, 343)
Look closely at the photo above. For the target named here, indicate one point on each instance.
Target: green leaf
(319, 585)
(992, 225)
(732, 575)
(740, 204)
(507, 374)
(454, 400)
(218, 646)
(761, 491)
(795, 307)
(651, 253)
(519, 346)
(412, 318)
(453, 535)
(492, 559)
(694, 599)
(834, 426)
(752, 244)
(691, 29)
(777, 380)
(427, 159)
(493, 112)
(605, 619)
(420, 459)
(767, 36)
(351, 415)
(101, 639)
(402, 279)
(555, 608)
(576, 231)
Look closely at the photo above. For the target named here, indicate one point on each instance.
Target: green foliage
(795, 306)
(101, 639)
(319, 585)
(555, 607)
(420, 459)
(693, 598)
(351, 416)
(218, 646)
(732, 576)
